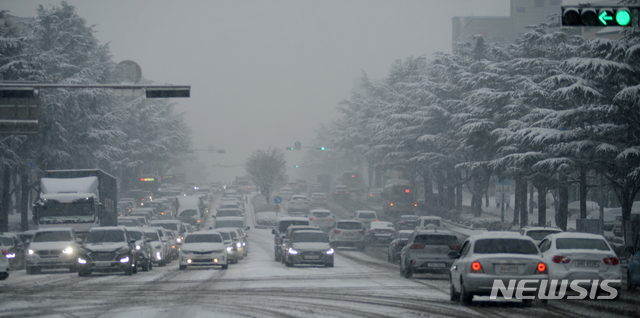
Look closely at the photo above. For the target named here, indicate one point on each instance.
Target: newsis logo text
(555, 289)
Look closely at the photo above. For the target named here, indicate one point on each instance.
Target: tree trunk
(531, 198)
(516, 204)
(583, 193)
(542, 205)
(6, 199)
(524, 214)
(24, 200)
(563, 203)
(459, 186)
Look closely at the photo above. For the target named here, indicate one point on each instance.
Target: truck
(79, 199)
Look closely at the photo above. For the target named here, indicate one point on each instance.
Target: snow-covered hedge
(266, 218)
(260, 204)
(490, 224)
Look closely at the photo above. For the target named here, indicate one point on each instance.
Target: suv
(318, 199)
(280, 233)
(53, 248)
(341, 192)
(424, 221)
(348, 233)
(108, 249)
(159, 252)
(366, 217)
(298, 203)
(427, 251)
(322, 218)
(537, 233)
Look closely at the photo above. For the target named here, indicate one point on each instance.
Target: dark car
(280, 233)
(341, 192)
(108, 249)
(143, 246)
(393, 252)
(407, 222)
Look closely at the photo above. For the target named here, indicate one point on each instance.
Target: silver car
(495, 255)
(159, 252)
(427, 251)
(322, 218)
(348, 233)
(309, 247)
(53, 248)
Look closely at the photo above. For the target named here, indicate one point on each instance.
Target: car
(162, 210)
(399, 241)
(231, 221)
(280, 231)
(309, 247)
(302, 184)
(14, 249)
(294, 186)
(341, 192)
(298, 203)
(229, 212)
(233, 253)
(146, 214)
(374, 195)
(537, 233)
(348, 233)
(577, 256)
(427, 251)
(175, 226)
(172, 243)
(129, 221)
(228, 204)
(159, 252)
(108, 249)
(322, 218)
(366, 217)
(143, 247)
(290, 230)
(486, 257)
(424, 221)
(126, 208)
(239, 241)
(4, 267)
(407, 222)
(633, 268)
(381, 232)
(318, 199)
(204, 248)
(53, 248)
(315, 188)
(285, 194)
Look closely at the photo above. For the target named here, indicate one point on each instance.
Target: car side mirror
(273, 231)
(454, 254)
(248, 228)
(630, 249)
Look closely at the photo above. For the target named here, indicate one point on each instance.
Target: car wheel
(150, 265)
(225, 266)
(134, 268)
(145, 266)
(329, 264)
(129, 269)
(630, 285)
(31, 270)
(182, 267)
(452, 291)
(278, 257)
(73, 268)
(84, 272)
(288, 264)
(465, 298)
(408, 273)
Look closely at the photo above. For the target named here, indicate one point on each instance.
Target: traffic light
(321, 148)
(596, 16)
(290, 148)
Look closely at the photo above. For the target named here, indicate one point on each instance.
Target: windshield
(234, 235)
(229, 223)
(152, 236)
(367, 215)
(436, 239)
(135, 235)
(322, 214)
(168, 226)
(53, 236)
(76, 212)
(284, 225)
(228, 213)
(106, 236)
(434, 222)
(350, 225)
(6, 241)
(128, 222)
(539, 235)
(581, 244)
(504, 246)
(404, 235)
(188, 213)
(203, 238)
(310, 237)
(225, 236)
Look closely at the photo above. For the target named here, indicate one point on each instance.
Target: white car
(52, 248)
(581, 256)
(204, 248)
(423, 221)
(285, 194)
(537, 233)
(486, 257)
(158, 248)
(348, 233)
(298, 203)
(322, 218)
(318, 198)
(366, 217)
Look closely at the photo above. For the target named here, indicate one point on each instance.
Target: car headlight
(244, 244)
(137, 247)
(292, 251)
(81, 260)
(10, 255)
(330, 251)
(229, 249)
(68, 250)
(31, 252)
(179, 240)
(239, 245)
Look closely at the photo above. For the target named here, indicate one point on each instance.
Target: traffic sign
(277, 199)
(277, 208)
(297, 144)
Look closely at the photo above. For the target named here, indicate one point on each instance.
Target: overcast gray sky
(266, 72)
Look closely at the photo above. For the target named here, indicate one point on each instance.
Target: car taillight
(361, 232)
(416, 204)
(455, 247)
(4, 252)
(336, 231)
(416, 246)
(476, 267)
(372, 231)
(312, 219)
(329, 219)
(608, 261)
(541, 268)
(336, 192)
(370, 194)
(560, 259)
(347, 192)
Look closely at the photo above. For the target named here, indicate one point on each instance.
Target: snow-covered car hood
(51, 245)
(105, 247)
(310, 246)
(202, 247)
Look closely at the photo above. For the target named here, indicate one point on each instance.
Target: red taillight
(329, 219)
(361, 232)
(312, 219)
(372, 231)
(476, 267)
(370, 194)
(455, 247)
(336, 231)
(560, 259)
(347, 192)
(416, 246)
(416, 204)
(4, 252)
(336, 192)
(541, 268)
(608, 261)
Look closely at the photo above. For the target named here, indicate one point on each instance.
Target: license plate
(436, 265)
(347, 234)
(312, 257)
(586, 264)
(103, 264)
(508, 268)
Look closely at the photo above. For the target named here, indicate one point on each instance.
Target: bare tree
(267, 168)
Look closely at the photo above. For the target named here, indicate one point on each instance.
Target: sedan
(204, 248)
(583, 256)
(399, 241)
(494, 255)
(309, 247)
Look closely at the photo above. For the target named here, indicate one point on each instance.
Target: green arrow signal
(604, 16)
